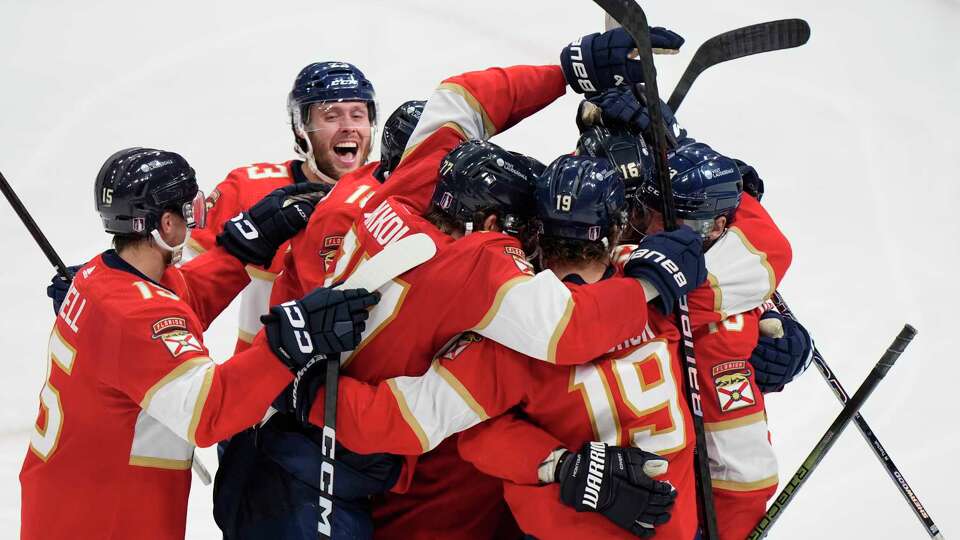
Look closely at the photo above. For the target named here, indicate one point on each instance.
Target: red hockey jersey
(240, 190)
(130, 390)
(745, 267)
(632, 396)
(309, 260)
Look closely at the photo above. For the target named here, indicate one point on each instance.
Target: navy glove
(597, 62)
(255, 236)
(58, 287)
(752, 183)
(777, 360)
(325, 321)
(298, 397)
(619, 107)
(670, 261)
(615, 481)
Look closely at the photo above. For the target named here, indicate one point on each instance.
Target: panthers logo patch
(732, 382)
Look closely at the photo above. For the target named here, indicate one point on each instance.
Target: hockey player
(130, 388)
(743, 467)
(581, 211)
(266, 483)
(490, 189)
(474, 104)
(332, 109)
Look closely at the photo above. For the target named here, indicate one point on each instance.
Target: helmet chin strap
(308, 157)
(176, 251)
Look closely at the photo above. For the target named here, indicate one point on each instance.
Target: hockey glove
(672, 262)
(597, 62)
(255, 235)
(616, 482)
(752, 183)
(298, 397)
(619, 107)
(326, 321)
(58, 287)
(778, 359)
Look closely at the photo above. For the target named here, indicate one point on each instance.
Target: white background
(854, 135)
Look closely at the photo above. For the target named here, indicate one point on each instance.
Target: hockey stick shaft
(895, 475)
(393, 260)
(830, 437)
(632, 18)
(34, 229)
(746, 41)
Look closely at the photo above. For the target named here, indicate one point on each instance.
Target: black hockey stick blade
(632, 18)
(34, 229)
(867, 432)
(830, 437)
(746, 41)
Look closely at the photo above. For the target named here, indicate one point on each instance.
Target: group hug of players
(524, 382)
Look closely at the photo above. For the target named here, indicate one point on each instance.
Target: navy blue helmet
(135, 186)
(706, 184)
(626, 152)
(326, 82)
(481, 176)
(323, 82)
(396, 132)
(580, 198)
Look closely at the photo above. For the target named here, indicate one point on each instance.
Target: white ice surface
(854, 134)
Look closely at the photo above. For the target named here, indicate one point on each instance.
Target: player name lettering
(72, 307)
(591, 494)
(385, 225)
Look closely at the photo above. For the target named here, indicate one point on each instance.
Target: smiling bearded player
(333, 115)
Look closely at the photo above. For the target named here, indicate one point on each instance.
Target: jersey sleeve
(744, 266)
(508, 447)
(287, 285)
(474, 105)
(544, 318)
(160, 363)
(743, 465)
(472, 381)
(213, 279)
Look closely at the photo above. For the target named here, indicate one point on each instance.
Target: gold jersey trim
(408, 416)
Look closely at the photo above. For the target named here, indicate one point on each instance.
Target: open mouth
(346, 151)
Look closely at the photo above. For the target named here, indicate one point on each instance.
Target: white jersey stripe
(740, 276)
(177, 399)
(155, 445)
(438, 404)
(451, 104)
(741, 457)
(529, 315)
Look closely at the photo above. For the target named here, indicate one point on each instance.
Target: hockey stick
(33, 228)
(830, 437)
(393, 260)
(631, 16)
(746, 41)
(868, 435)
